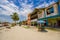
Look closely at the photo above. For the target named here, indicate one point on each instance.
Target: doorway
(58, 22)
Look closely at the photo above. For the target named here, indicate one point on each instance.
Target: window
(50, 10)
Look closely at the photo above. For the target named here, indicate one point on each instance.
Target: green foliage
(15, 16)
(13, 24)
(26, 27)
(20, 23)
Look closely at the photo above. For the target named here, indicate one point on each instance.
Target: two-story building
(32, 17)
(51, 15)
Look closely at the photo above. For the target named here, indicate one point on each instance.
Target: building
(5, 23)
(51, 15)
(32, 17)
(29, 20)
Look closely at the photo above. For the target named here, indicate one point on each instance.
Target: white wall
(41, 15)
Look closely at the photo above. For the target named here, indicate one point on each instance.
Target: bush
(13, 24)
(26, 27)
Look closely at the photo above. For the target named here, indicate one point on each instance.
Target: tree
(15, 17)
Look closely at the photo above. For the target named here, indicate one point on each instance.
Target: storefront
(52, 15)
(54, 21)
(34, 22)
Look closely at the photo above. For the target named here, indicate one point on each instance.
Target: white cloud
(26, 8)
(52, 2)
(40, 6)
(3, 1)
(10, 7)
(45, 4)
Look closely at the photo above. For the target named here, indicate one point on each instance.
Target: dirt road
(20, 33)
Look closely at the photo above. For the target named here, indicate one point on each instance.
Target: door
(58, 23)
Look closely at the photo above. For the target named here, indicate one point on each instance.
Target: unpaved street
(20, 33)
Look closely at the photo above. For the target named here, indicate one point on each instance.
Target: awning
(40, 21)
(49, 17)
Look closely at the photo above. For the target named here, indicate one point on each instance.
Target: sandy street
(20, 33)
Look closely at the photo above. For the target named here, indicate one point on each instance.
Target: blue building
(51, 15)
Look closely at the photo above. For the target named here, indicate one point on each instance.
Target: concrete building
(29, 20)
(51, 15)
(32, 17)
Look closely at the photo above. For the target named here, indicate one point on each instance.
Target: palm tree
(15, 17)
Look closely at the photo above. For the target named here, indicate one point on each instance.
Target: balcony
(34, 17)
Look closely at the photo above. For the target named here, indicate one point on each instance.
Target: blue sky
(22, 7)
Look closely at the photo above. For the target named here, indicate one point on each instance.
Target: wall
(59, 8)
(41, 15)
(29, 20)
(55, 6)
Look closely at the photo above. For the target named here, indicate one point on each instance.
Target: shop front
(54, 22)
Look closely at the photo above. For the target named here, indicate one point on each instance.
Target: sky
(22, 7)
